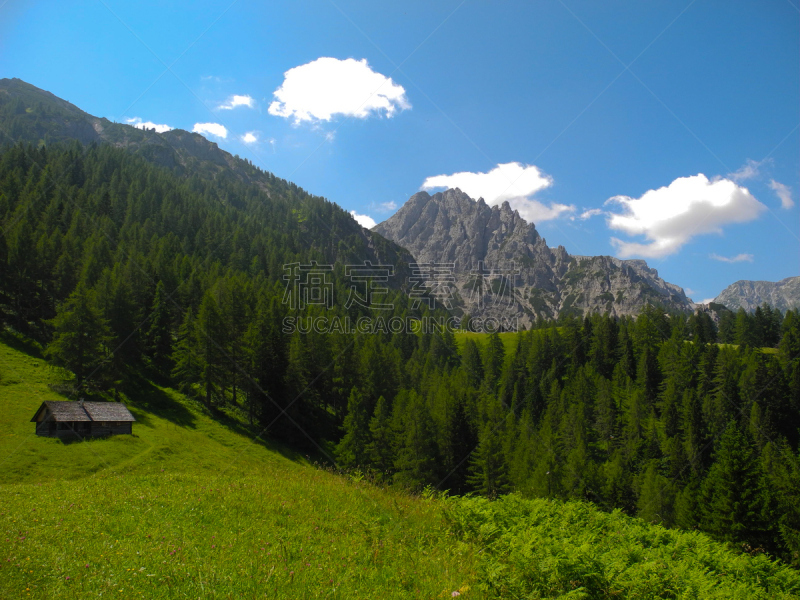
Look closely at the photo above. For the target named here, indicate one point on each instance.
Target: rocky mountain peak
(783, 294)
(451, 227)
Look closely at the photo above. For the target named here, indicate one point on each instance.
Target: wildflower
(456, 593)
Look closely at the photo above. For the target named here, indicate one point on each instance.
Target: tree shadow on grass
(19, 342)
(257, 435)
(145, 396)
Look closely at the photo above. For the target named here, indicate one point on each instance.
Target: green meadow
(191, 507)
(509, 339)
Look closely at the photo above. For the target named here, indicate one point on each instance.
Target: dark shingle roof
(108, 411)
(72, 411)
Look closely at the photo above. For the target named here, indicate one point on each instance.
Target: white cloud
(670, 216)
(749, 170)
(251, 137)
(588, 214)
(783, 192)
(512, 182)
(732, 259)
(327, 86)
(214, 129)
(388, 206)
(363, 220)
(139, 124)
(235, 100)
(707, 300)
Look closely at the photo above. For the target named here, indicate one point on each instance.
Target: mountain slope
(783, 295)
(31, 115)
(450, 227)
(191, 507)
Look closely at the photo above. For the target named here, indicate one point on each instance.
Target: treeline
(633, 414)
(123, 269)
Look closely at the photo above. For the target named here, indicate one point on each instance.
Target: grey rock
(451, 227)
(783, 294)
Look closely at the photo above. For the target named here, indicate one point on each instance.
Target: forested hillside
(124, 269)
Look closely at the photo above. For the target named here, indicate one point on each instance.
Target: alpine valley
(621, 444)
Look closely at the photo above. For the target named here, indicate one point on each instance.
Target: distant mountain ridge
(38, 116)
(451, 227)
(749, 295)
(32, 115)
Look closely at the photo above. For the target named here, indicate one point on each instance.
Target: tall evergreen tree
(81, 338)
(159, 341)
(734, 491)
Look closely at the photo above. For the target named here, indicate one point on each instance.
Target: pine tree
(687, 512)
(656, 497)
(734, 492)
(159, 334)
(488, 468)
(381, 438)
(471, 363)
(417, 459)
(494, 356)
(80, 339)
(352, 450)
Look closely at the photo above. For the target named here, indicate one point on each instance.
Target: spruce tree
(488, 468)
(417, 460)
(735, 499)
(656, 497)
(352, 450)
(381, 438)
(159, 334)
(81, 338)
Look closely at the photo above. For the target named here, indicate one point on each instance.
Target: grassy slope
(188, 507)
(509, 339)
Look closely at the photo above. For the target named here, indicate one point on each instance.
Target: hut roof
(72, 411)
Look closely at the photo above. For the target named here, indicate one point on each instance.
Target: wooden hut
(56, 418)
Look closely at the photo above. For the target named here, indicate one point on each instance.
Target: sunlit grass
(189, 507)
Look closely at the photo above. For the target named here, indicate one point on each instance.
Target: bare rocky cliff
(783, 294)
(485, 243)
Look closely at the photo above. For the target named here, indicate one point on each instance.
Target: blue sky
(660, 130)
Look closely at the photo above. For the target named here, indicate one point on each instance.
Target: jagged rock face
(783, 294)
(450, 227)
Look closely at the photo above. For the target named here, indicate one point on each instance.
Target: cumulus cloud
(732, 259)
(328, 86)
(214, 129)
(363, 220)
(251, 137)
(388, 206)
(236, 100)
(783, 192)
(139, 124)
(512, 182)
(670, 216)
